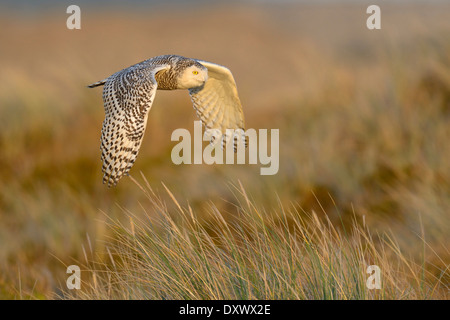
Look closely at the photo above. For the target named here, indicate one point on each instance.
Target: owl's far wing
(217, 102)
(127, 96)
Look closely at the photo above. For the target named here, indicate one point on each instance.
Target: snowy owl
(128, 96)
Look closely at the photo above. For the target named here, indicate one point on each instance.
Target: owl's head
(193, 76)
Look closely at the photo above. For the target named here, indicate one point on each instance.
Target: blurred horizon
(26, 6)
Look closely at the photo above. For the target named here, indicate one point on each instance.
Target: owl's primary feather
(128, 96)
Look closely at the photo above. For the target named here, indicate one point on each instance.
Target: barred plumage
(128, 96)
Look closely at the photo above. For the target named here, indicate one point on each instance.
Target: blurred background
(364, 120)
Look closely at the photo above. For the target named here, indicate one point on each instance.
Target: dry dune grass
(254, 254)
(364, 127)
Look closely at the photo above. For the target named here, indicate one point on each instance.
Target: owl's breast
(166, 80)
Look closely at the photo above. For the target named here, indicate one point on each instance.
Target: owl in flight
(128, 96)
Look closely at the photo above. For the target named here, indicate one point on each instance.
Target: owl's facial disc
(194, 76)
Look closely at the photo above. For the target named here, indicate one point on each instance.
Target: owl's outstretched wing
(127, 96)
(217, 102)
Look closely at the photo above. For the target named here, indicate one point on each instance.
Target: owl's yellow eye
(195, 72)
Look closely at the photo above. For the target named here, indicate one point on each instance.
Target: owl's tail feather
(98, 83)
